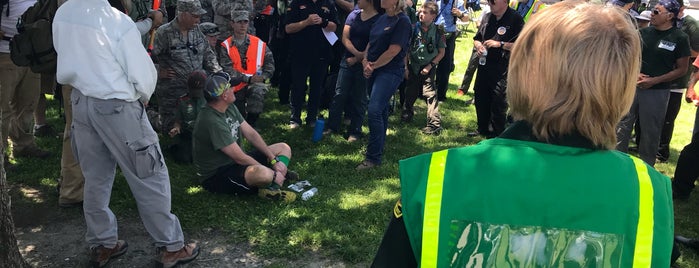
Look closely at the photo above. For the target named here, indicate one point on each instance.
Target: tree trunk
(9, 253)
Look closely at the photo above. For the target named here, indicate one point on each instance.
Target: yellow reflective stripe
(433, 210)
(643, 250)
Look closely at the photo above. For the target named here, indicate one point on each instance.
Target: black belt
(6, 38)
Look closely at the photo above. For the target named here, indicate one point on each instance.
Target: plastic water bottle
(481, 60)
(318, 130)
(310, 193)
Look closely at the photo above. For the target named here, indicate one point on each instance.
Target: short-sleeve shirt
(390, 30)
(425, 46)
(661, 49)
(213, 131)
(445, 17)
(359, 30)
(310, 40)
(506, 29)
(187, 111)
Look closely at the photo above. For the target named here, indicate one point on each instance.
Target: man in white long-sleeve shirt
(19, 88)
(101, 56)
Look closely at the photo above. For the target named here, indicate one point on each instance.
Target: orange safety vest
(253, 58)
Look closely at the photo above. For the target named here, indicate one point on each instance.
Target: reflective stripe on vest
(433, 209)
(267, 11)
(253, 58)
(643, 248)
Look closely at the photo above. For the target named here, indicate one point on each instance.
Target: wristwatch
(433, 64)
(502, 44)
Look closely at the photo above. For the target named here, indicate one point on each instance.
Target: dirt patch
(53, 237)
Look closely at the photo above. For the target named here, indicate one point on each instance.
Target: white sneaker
(294, 125)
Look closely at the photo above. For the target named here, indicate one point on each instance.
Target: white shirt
(8, 24)
(100, 52)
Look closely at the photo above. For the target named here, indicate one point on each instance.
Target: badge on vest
(667, 45)
(502, 30)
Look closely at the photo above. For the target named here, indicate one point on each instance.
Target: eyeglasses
(657, 11)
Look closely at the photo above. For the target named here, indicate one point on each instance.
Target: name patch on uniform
(667, 45)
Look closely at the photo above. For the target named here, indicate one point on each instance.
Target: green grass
(346, 219)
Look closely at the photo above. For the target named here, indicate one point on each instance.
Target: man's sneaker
(167, 259)
(431, 130)
(366, 164)
(460, 92)
(100, 256)
(277, 195)
(291, 175)
(406, 116)
(469, 101)
(44, 131)
(294, 125)
(33, 152)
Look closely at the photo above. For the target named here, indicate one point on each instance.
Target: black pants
(673, 108)
(445, 67)
(470, 70)
(282, 74)
(687, 170)
(303, 68)
(491, 105)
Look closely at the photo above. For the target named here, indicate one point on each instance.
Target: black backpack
(33, 45)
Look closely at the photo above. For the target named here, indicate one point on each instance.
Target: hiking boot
(33, 152)
(366, 164)
(432, 130)
(45, 131)
(277, 195)
(100, 256)
(167, 259)
(291, 175)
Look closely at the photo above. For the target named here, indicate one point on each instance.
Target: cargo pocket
(146, 157)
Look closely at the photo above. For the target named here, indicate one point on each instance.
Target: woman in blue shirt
(351, 83)
(384, 66)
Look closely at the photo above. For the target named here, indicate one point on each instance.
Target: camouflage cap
(240, 15)
(217, 83)
(209, 29)
(190, 6)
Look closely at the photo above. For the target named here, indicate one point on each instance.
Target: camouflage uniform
(250, 100)
(184, 55)
(208, 6)
(222, 15)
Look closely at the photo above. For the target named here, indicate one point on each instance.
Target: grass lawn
(346, 219)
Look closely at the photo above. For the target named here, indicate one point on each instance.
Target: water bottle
(481, 60)
(310, 193)
(318, 130)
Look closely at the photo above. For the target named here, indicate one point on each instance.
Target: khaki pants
(19, 94)
(72, 180)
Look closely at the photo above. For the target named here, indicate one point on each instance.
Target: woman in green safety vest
(550, 191)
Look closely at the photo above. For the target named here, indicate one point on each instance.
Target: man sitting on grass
(218, 156)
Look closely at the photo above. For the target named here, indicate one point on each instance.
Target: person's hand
(351, 61)
(257, 79)
(426, 69)
(368, 68)
(157, 18)
(456, 13)
(480, 49)
(281, 170)
(491, 43)
(691, 95)
(314, 19)
(174, 131)
(646, 82)
(166, 73)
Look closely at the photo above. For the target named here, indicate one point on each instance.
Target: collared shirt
(100, 52)
(445, 17)
(310, 39)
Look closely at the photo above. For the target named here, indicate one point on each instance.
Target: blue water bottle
(318, 130)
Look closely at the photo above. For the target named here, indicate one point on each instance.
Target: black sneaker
(432, 130)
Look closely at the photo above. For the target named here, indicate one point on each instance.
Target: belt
(6, 38)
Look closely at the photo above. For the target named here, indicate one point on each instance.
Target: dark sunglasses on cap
(211, 30)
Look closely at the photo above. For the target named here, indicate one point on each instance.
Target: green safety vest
(514, 203)
(536, 7)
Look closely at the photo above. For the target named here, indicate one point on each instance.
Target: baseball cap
(217, 83)
(239, 15)
(209, 29)
(190, 6)
(645, 16)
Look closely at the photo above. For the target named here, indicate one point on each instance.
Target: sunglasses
(210, 31)
(657, 11)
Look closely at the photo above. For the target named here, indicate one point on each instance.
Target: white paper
(330, 36)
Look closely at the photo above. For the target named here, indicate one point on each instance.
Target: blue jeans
(383, 84)
(349, 90)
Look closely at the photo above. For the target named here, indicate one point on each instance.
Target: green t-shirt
(425, 46)
(661, 49)
(187, 111)
(214, 130)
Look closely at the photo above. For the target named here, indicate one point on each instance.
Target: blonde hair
(574, 69)
(430, 6)
(400, 6)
